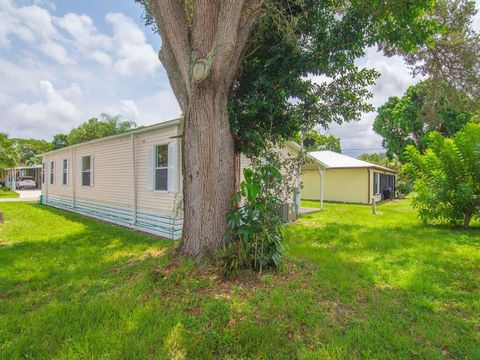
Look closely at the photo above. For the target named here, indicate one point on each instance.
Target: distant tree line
(18, 151)
(94, 128)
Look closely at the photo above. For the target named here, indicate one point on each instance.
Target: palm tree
(9, 155)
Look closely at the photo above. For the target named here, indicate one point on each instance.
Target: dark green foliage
(409, 120)
(9, 154)
(447, 177)
(313, 141)
(275, 95)
(94, 128)
(451, 59)
(30, 148)
(59, 141)
(254, 236)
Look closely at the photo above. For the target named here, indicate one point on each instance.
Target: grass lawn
(6, 193)
(353, 285)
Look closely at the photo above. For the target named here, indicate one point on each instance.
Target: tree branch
(204, 26)
(247, 23)
(179, 87)
(174, 28)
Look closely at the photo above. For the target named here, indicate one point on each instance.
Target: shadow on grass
(346, 290)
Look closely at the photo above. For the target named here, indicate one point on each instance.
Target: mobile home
(132, 179)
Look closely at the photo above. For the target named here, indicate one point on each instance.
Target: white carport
(14, 174)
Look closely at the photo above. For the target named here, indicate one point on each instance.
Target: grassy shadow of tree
(346, 290)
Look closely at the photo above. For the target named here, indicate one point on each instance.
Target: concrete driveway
(25, 195)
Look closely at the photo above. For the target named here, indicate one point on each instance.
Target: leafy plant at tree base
(255, 225)
(447, 177)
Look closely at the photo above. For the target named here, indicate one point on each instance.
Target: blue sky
(62, 62)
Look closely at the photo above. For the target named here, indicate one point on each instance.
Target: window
(161, 167)
(52, 172)
(86, 170)
(43, 173)
(65, 172)
(376, 183)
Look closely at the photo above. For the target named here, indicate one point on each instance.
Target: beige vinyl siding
(244, 163)
(161, 201)
(57, 189)
(286, 151)
(112, 172)
(112, 169)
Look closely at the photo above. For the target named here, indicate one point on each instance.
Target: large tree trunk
(203, 44)
(208, 171)
(467, 218)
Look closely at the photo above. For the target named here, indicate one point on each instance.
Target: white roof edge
(325, 166)
(294, 145)
(128, 133)
(352, 164)
(24, 167)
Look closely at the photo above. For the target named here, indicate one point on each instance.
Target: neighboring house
(133, 179)
(331, 176)
(15, 175)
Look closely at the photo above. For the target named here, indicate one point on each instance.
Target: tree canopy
(94, 128)
(28, 149)
(451, 58)
(9, 155)
(243, 74)
(313, 141)
(409, 120)
(300, 72)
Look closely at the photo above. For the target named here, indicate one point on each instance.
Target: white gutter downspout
(134, 185)
(72, 176)
(322, 179)
(46, 178)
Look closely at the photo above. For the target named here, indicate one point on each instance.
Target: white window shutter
(150, 176)
(68, 172)
(80, 178)
(172, 167)
(92, 169)
(54, 172)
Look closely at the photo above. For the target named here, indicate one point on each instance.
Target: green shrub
(447, 177)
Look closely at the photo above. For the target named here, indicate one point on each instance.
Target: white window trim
(51, 174)
(155, 168)
(43, 173)
(377, 190)
(65, 171)
(91, 170)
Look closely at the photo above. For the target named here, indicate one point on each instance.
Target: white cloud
(395, 78)
(158, 107)
(129, 110)
(85, 37)
(56, 52)
(50, 114)
(135, 57)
